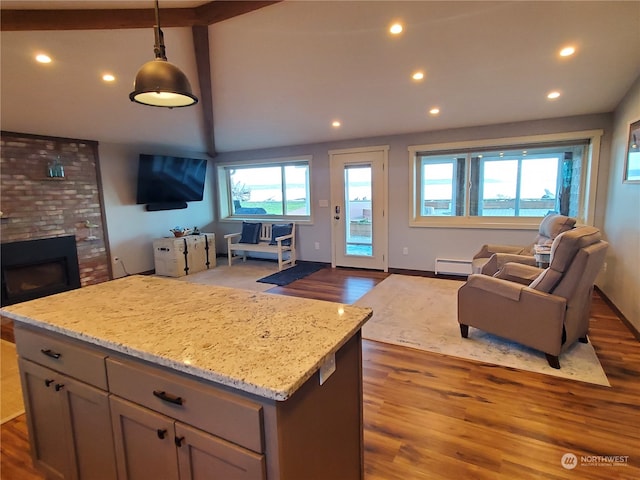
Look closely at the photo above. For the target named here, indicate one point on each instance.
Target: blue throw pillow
(279, 231)
(250, 232)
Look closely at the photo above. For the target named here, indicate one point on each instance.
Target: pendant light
(160, 83)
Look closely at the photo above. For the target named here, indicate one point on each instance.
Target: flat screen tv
(169, 179)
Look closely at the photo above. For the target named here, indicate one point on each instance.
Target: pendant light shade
(160, 83)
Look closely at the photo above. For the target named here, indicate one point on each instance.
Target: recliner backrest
(564, 249)
(576, 259)
(550, 227)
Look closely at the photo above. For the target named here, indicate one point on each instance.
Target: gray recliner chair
(491, 258)
(550, 312)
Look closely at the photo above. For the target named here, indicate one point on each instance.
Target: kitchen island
(191, 381)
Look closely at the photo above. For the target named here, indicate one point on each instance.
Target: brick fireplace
(36, 205)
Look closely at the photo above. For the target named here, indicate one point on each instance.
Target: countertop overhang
(263, 344)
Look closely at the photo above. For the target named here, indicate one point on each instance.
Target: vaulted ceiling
(279, 73)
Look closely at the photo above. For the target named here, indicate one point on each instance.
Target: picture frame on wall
(632, 159)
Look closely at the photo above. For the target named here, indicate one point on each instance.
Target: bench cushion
(250, 232)
(280, 231)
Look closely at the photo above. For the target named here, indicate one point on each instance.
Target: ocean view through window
(265, 190)
(501, 184)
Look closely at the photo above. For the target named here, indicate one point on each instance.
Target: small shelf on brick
(54, 178)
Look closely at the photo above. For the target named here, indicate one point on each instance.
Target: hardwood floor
(429, 416)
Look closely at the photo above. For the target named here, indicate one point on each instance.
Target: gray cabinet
(99, 415)
(69, 425)
(152, 445)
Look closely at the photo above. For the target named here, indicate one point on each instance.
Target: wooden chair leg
(464, 330)
(553, 360)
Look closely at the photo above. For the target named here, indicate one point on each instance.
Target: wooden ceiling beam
(108, 19)
(203, 64)
(214, 12)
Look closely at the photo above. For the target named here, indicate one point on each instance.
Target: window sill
(491, 223)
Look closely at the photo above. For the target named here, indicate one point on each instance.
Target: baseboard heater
(450, 266)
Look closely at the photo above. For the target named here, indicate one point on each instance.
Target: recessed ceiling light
(395, 29)
(107, 77)
(42, 58)
(553, 95)
(434, 111)
(567, 51)
(335, 124)
(418, 75)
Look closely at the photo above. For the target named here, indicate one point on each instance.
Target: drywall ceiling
(282, 74)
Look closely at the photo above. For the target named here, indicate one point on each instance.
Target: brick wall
(36, 206)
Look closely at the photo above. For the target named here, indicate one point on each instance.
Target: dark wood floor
(429, 416)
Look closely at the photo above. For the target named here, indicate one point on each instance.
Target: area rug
(421, 313)
(242, 275)
(11, 404)
(288, 275)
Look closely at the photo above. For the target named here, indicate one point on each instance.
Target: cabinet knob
(48, 382)
(59, 386)
(162, 432)
(178, 441)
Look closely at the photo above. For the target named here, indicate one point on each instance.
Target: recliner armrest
(488, 250)
(519, 273)
(496, 286)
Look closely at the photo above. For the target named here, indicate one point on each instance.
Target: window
(503, 183)
(270, 191)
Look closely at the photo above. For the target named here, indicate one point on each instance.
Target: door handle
(337, 217)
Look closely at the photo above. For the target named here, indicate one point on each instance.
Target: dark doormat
(285, 277)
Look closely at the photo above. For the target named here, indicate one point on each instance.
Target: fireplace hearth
(37, 268)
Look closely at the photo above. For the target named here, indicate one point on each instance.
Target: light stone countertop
(260, 343)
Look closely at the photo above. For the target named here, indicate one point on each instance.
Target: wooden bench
(233, 245)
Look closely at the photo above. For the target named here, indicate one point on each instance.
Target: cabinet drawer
(62, 356)
(201, 405)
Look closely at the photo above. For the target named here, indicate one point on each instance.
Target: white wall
(424, 244)
(131, 229)
(621, 280)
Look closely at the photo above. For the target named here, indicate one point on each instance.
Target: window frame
(225, 200)
(587, 187)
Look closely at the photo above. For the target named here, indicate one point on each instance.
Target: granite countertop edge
(248, 387)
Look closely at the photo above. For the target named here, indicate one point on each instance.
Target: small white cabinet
(176, 257)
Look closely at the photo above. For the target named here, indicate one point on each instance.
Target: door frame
(384, 202)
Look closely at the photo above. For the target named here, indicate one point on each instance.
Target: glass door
(359, 226)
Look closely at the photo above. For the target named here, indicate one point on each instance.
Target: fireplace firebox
(38, 268)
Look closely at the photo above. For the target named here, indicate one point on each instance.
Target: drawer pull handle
(161, 433)
(167, 397)
(50, 353)
(178, 441)
(59, 386)
(48, 382)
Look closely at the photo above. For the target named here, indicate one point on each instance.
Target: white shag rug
(421, 313)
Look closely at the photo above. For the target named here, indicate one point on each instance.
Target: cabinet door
(204, 457)
(144, 442)
(88, 418)
(48, 435)
(69, 425)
